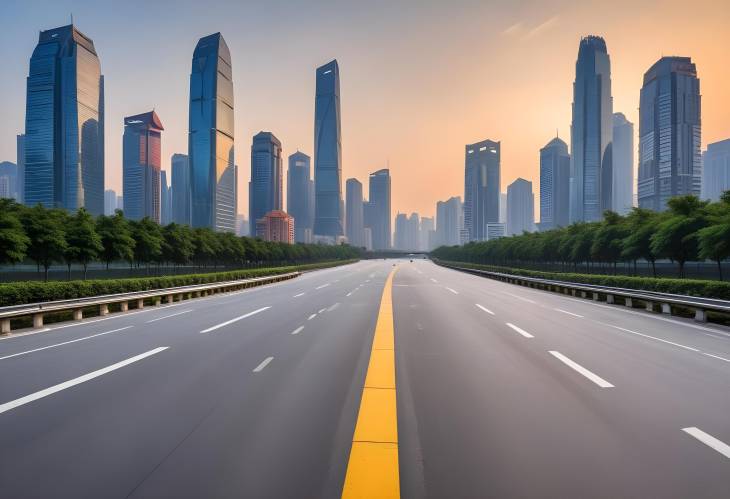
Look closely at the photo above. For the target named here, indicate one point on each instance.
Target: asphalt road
(502, 391)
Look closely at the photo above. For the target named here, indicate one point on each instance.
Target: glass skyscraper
(142, 160)
(520, 207)
(591, 132)
(180, 186)
(64, 123)
(715, 170)
(354, 212)
(481, 188)
(669, 133)
(328, 219)
(213, 190)
(623, 164)
(300, 202)
(265, 187)
(554, 185)
(377, 213)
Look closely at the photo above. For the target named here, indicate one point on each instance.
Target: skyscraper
(378, 210)
(20, 161)
(449, 222)
(520, 207)
(354, 211)
(328, 219)
(180, 188)
(716, 170)
(591, 132)
(401, 229)
(213, 190)
(110, 201)
(276, 226)
(300, 202)
(64, 123)
(623, 164)
(427, 234)
(265, 187)
(9, 174)
(554, 185)
(142, 158)
(481, 187)
(165, 199)
(669, 133)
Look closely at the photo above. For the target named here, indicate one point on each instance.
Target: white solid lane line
(65, 343)
(236, 319)
(321, 310)
(485, 309)
(582, 370)
(349, 294)
(566, 312)
(168, 316)
(452, 290)
(298, 330)
(521, 331)
(333, 307)
(298, 295)
(261, 366)
(709, 440)
(716, 356)
(653, 338)
(76, 381)
(433, 280)
(311, 317)
(322, 286)
(519, 297)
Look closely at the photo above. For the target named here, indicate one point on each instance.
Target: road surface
(502, 391)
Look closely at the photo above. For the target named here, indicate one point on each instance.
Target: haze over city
(418, 80)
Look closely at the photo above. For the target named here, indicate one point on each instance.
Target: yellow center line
(372, 470)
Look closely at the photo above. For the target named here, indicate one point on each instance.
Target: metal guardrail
(170, 295)
(650, 299)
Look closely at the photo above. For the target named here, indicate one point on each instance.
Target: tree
(116, 238)
(13, 241)
(607, 239)
(177, 245)
(676, 236)
(714, 241)
(45, 229)
(206, 246)
(641, 225)
(148, 241)
(84, 243)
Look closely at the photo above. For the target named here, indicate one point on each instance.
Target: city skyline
(547, 33)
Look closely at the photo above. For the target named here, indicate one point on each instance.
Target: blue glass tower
(328, 153)
(482, 172)
(213, 191)
(265, 188)
(300, 204)
(64, 123)
(142, 151)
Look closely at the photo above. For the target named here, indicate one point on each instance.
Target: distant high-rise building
(427, 234)
(276, 226)
(495, 231)
(407, 232)
(213, 189)
(623, 164)
(591, 132)
(716, 170)
(265, 187)
(502, 207)
(300, 202)
(20, 161)
(64, 123)
(401, 228)
(328, 217)
(669, 133)
(9, 172)
(367, 239)
(377, 213)
(481, 187)
(142, 160)
(120, 202)
(110, 202)
(449, 222)
(5, 188)
(354, 211)
(165, 199)
(242, 226)
(520, 207)
(554, 185)
(180, 186)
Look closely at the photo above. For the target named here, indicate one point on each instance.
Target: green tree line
(688, 230)
(50, 236)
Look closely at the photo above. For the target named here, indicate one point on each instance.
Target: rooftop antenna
(72, 18)
(556, 133)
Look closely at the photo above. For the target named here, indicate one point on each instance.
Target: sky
(419, 79)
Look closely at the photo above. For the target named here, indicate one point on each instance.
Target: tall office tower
(180, 185)
(716, 170)
(520, 207)
(426, 234)
(554, 185)
(64, 123)
(20, 161)
(379, 209)
(622, 149)
(591, 132)
(354, 211)
(9, 171)
(276, 226)
(242, 226)
(502, 207)
(299, 202)
(481, 188)
(669, 133)
(142, 155)
(401, 228)
(449, 222)
(328, 219)
(213, 190)
(165, 199)
(110, 202)
(413, 238)
(120, 202)
(265, 187)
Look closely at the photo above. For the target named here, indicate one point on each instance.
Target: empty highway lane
(376, 379)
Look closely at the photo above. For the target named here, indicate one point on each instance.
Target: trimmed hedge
(18, 293)
(690, 287)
